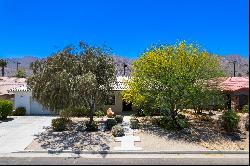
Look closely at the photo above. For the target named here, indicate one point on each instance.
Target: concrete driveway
(17, 132)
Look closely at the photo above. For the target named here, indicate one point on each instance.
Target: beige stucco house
(115, 101)
(23, 98)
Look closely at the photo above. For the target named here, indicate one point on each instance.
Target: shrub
(99, 114)
(6, 108)
(247, 123)
(20, 111)
(117, 131)
(169, 124)
(230, 120)
(91, 127)
(134, 123)
(74, 112)
(140, 113)
(119, 118)
(60, 124)
(247, 126)
(110, 123)
(245, 109)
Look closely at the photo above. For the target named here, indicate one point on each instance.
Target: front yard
(208, 134)
(200, 135)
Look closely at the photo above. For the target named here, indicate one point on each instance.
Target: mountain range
(121, 63)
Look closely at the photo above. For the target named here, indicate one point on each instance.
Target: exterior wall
(22, 99)
(37, 109)
(235, 99)
(117, 108)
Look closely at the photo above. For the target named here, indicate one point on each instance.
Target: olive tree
(169, 77)
(75, 77)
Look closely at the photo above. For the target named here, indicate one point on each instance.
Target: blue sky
(40, 27)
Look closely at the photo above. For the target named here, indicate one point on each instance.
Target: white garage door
(37, 109)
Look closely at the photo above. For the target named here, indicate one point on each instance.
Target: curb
(135, 152)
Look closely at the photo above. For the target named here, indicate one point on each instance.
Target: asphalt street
(178, 159)
(122, 161)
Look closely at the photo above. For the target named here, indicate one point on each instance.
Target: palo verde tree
(76, 77)
(168, 77)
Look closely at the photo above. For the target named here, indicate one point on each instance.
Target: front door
(126, 106)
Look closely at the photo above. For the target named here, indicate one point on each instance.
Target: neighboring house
(237, 90)
(23, 98)
(7, 83)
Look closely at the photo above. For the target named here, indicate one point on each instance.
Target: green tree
(3, 64)
(20, 73)
(75, 77)
(168, 78)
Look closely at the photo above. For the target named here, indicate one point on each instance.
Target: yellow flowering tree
(170, 77)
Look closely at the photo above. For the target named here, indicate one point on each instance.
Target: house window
(110, 100)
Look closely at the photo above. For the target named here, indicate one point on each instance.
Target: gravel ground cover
(208, 134)
(201, 135)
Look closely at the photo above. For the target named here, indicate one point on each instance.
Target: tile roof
(8, 83)
(235, 84)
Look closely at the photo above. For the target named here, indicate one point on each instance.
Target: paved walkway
(127, 141)
(18, 133)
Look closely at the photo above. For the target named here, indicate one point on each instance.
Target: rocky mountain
(25, 62)
(241, 65)
(124, 64)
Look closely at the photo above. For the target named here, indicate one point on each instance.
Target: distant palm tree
(3, 64)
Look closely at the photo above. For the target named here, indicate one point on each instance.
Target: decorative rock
(58, 150)
(234, 136)
(186, 131)
(110, 113)
(76, 151)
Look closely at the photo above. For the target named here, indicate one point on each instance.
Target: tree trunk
(91, 117)
(2, 71)
(92, 110)
(173, 113)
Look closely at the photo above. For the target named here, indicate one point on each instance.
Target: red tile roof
(235, 84)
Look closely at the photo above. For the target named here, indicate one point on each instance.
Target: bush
(134, 123)
(119, 118)
(247, 126)
(245, 109)
(20, 111)
(60, 124)
(110, 123)
(140, 113)
(74, 112)
(100, 114)
(230, 120)
(6, 108)
(178, 124)
(117, 131)
(247, 123)
(91, 127)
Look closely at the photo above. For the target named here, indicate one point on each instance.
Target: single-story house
(23, 98)
(7, 83)
(236, 88)
(237, 91)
